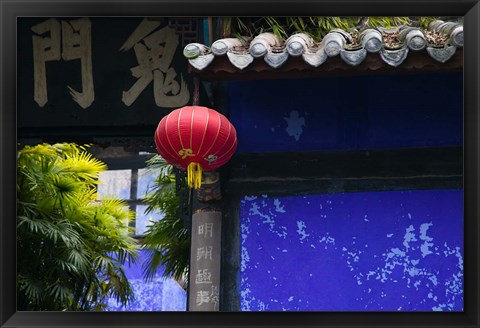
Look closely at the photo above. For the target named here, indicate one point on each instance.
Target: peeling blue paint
(295, 124)
(393, 262)
(159, 294)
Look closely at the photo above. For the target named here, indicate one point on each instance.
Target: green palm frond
(118, 286)
(166, 241)
(38, 150)
(31, 287)
(125, 253)
(66, 188)
(111, 216)
(60, 292)
(157, 163)
(153, 262)
(63, 231)
(79, 259)
(117, 208)
(85, 166)
(103, 262)
(67, 266)
(46, 205)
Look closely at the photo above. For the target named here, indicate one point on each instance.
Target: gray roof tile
(393, 45)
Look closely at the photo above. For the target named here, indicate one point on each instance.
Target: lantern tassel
(194, 175)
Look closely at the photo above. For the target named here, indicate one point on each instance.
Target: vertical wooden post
(204, 277)
(206, 240)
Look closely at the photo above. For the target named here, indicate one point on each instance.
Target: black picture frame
(10, 10)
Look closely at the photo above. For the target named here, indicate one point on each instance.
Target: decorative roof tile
(440, 42)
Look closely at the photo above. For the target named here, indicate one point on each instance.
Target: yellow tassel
(194, 175)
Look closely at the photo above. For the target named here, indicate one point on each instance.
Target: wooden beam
(293, 173)
(417, 62)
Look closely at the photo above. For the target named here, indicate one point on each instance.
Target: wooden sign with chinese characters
(204, 280)
(83, 72)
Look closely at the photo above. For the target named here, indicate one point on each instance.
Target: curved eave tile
(394, 57)
(337, 42)
(262, 44)
(298, 43)
(353, 57)
(201, 61)
(276, 59)
(442, 54)
(316, 58)
(240, 61)
(222, 46)
(453, 29)
(193, 50)
(333, 43)
(456, 38)
(415, 40)
(371, 40)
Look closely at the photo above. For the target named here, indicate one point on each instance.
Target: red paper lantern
(195, 138)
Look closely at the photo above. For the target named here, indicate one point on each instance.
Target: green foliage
(167, 241)
(316, 26)
(70, 247)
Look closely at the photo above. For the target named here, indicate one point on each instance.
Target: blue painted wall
(157, 295)
(366, 251)
(344, 113)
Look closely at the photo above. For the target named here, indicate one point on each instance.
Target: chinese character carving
(204, 252)
(203, 297)
(206, 297)
(203, 277)
(206, 230)
(154, 52)
(68, 40)
(214, 297)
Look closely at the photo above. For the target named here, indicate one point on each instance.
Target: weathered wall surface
(369, 251)
(345, 194)
(159, 294)
(341, 113)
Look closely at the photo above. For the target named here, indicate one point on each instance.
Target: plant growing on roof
(316, 26)
(167, 241)
(70, 247)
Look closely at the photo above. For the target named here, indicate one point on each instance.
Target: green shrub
(70, 246)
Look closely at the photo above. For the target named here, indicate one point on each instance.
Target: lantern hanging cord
(196, 91)
(194, 175)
